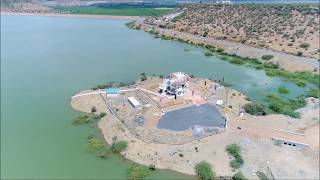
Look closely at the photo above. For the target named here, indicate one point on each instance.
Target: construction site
(168, 121)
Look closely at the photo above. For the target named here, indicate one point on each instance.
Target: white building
(176, 84)
(134, 102)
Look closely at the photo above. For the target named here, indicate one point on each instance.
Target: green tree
(239, 176)
(204, 170)
(119, 146)
(136, 172)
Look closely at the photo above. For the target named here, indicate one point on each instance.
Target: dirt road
(287, 61)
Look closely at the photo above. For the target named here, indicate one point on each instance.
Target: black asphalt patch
(182, 119)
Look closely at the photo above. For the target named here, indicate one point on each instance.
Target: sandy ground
(286, 61)
(73, 15)
(255, 139)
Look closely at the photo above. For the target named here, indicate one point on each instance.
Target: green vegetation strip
(110, 84)
(127, 11)
(88, 118)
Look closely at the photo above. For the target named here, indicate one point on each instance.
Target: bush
(93, 109)
(204, 170)
(143, 77)
(94, 145)
(314, 93)
(283, 90)
(220, 50)
(237, 61)
(152, 167)
(233, 149)
(267, 57)
(208, 54)
(255, 109)
(271, 65)
(239, 176)
(119, 146)
(235, 164)
(103, 114)
(122, 84)
(82, 119)
(136, 172)
(305, 45)
(103, 86)
(286, 107)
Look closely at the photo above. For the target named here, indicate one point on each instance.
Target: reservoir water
(45, 60)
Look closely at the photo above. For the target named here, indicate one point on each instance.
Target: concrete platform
(183, 119)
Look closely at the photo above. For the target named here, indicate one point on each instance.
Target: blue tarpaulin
(112, 91)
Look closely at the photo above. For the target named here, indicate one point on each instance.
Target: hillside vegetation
(290, 28)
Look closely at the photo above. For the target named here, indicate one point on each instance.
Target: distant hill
(27, 6)
(290, 28)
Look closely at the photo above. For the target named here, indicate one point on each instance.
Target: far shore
(74, 15)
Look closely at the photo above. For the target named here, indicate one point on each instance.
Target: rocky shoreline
(286, 61)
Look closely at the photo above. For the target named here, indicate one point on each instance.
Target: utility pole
(227, 92)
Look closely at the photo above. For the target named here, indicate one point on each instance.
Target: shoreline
(110, 17)
(287, 61)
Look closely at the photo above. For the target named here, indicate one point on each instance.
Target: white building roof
(134, 101)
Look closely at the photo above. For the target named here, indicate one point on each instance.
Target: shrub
(271, 65)
(235, 164)
(267, 57)
(220, 50)
(239, 176)
(255, 109)
(204, 170)
(93, 109)
(283, 90)
(103, 114)
(224, 58)
(119, 146)
(299, 53)
(122, 84)
(103, 86)
(136, 172)
(305, 45)
(237, 61)
(94, 145)
(152, 167)
(143, 77)
(299, 82)
(82, 119)
(314, 93)
(208, 54)
(233, 149)
(286, 107)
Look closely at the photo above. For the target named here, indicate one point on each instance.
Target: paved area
(183, 119)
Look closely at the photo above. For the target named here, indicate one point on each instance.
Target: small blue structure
(112, 92)
(139, 120)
